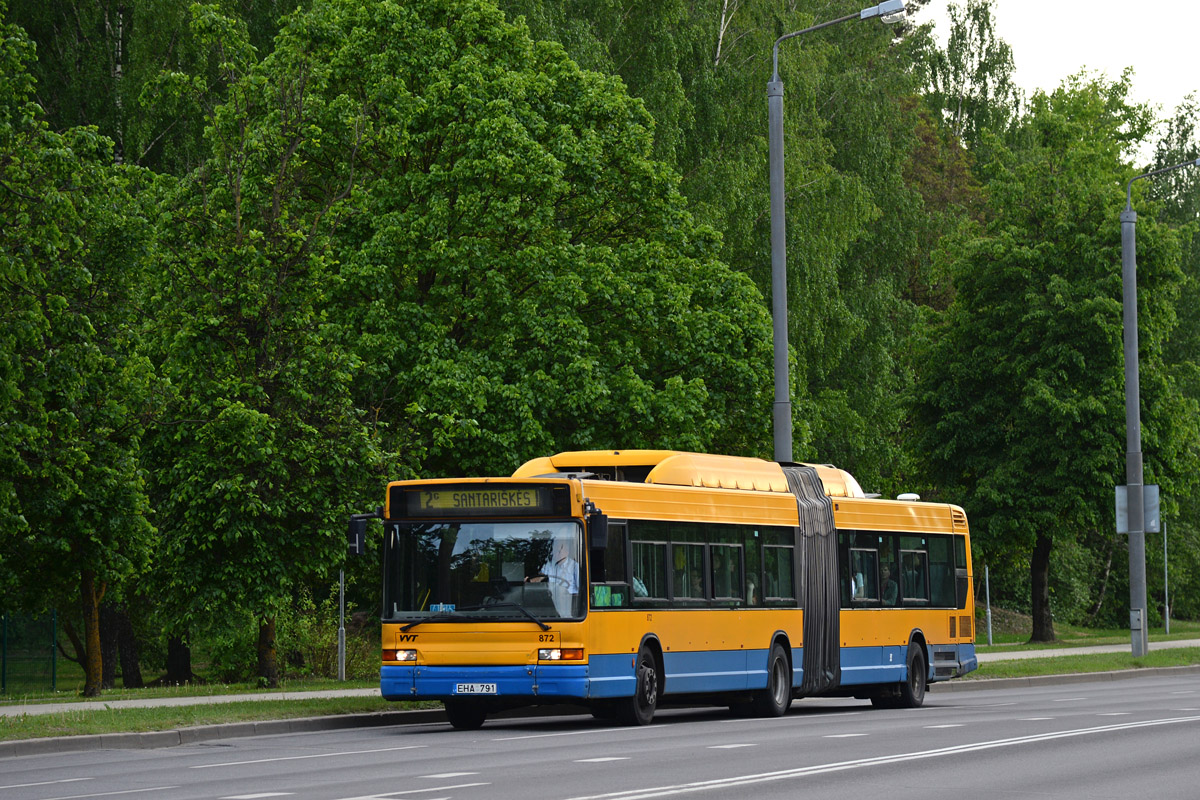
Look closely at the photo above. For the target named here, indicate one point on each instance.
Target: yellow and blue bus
(623, 580)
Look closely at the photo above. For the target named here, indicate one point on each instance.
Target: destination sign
(474, 501)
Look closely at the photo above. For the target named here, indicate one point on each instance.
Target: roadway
(1083, 739)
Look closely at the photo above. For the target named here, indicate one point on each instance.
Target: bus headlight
(561, 654)
(399, 655)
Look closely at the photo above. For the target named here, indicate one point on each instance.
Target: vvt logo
(406, 637)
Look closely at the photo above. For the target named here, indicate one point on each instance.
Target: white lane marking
(764, 777)
(45, 783)
(600, 760)
(730, 746)
(1035, 719)
(382, 795)
(1069, 699)
(938, 727)
(111, 794)
(256, 796)
(313, 755)
(450, 775)
(1115, 714)
(1189, 691)
(995, 705)
(844, 735)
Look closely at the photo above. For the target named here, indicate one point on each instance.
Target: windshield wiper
(442, 616)
(508, 604)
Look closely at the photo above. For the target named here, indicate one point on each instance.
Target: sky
(1052, 39)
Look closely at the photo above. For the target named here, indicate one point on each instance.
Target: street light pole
(1133, 421)
(889, 12)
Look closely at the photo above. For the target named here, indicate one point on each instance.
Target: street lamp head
(889, 12)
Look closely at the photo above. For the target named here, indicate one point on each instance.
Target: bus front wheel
(639, 709)
(465, 715)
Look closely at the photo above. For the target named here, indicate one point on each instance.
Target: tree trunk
(179, 661)
(93, 667)
(108, 646)
(1039, 574)
(130, 652)
(268, 663)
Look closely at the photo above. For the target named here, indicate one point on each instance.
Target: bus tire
(639, 709)
(912, 691)
(774, 700)
(465, 715)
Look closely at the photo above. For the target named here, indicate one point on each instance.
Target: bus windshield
(473, 570)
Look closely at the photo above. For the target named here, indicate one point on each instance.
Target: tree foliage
(73, 387)
(1023, 413)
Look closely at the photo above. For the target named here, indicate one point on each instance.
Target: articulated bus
(624, 580)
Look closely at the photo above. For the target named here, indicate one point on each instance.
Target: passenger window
(689, 571)
(648, 575)
(864, 576)
(726, 572)
(941, 572)
(914, 583)
(779, 570)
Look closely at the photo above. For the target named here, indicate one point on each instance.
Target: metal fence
(28, 656)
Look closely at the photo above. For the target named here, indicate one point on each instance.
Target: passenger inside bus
(889, 585)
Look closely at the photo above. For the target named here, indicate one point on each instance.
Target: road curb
(203, 733)
(969, 685)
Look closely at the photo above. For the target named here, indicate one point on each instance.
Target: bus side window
(780, 569)
(649, 570)
(941, 572)
(914, 584)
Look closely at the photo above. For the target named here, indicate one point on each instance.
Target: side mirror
(597, 524)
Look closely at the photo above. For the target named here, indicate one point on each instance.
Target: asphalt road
(1082, 740)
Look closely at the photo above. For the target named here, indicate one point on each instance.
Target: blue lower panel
(873, 665)
(611, 675)
(967, 661)
(436, 683)
(719, 671)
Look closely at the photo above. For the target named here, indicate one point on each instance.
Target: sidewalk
(17, 709)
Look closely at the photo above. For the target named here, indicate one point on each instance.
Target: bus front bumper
(531, 681)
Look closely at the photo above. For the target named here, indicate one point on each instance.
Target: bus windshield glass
(476, 570)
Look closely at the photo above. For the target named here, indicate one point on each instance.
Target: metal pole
(1166, 596)
(987, 583)
(782, 410)
(54, 650)
(889, 11)
(1133, 436)
(341, 624)
(1133, 421)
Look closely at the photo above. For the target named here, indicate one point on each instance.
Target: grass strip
(1095, 662)
(92, 720)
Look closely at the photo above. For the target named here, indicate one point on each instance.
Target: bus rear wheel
(639, 709)
(465, 715)
(912, 691)
(774, 700)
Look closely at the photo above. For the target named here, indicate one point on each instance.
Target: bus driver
(561, 572)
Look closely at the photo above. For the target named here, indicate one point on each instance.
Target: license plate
(475, 688)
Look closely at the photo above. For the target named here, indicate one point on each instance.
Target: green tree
(970, 82)
(1177, 197)
(74, 391)
(518, 272)
(1024, 412)
(135, 70)
(262, 453)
